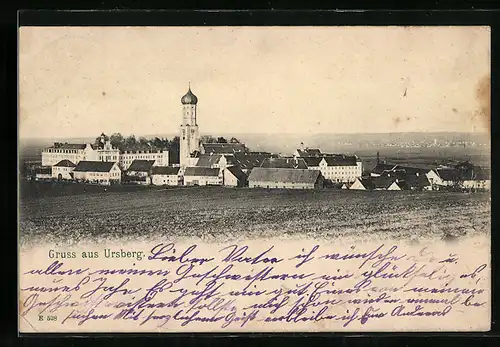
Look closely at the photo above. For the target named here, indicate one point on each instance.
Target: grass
(222, 214)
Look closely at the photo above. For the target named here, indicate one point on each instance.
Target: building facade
(337, 168)
(104, 173)
(166, 176)
(202, 176)
(127, 156)
(106, 152)
(189, 136)
(139, 172)
(285, 178)
(68, 151)
(63, 170)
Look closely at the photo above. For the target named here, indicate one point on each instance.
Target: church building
(189, 137)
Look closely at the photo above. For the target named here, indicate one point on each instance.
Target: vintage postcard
(254, 179)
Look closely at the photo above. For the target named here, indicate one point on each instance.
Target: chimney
(378, 158)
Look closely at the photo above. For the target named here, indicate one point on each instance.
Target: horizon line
(270, 134)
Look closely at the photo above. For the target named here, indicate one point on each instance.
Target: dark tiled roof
(284, 163)
(312, 161)
(58, 145)
(448, 174)
(250, 160)
(309, 152)
(367, 183)
(415, 181)
(94, 166)
(281, 175)
(207, 160)
(236, 171)
(65, 163)
(382, 167)
(224, 148)
(165, 170)
(141, 165)
(412, 170)
(201, 171)
(341, 160)
(470, 173)
(383, 182)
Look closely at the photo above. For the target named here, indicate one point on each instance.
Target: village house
(63, 170)
(99, 172)
(202, 176)
(234, 177)
(285, 178)
(336, 168)
(139, 172)
(461, 176)
(166, 175)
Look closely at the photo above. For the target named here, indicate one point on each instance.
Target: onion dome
(189, 98)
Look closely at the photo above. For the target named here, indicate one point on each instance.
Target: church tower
(189, 137)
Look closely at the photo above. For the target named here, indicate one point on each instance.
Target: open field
(216, 213)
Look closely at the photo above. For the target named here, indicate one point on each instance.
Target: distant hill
(287, 143)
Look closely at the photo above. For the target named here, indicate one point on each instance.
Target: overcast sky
(79, 82)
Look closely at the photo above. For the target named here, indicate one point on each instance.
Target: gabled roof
(309, 152)
(165, 170)
(383, 167)
(223, 148)
(94, 166)
(284, 163)
(201, 171)
(471, 173)
(415, 181)
(250, 160)
(367, 183)
(412, 170)
(208, 160)
(236, 171)
(312, 161)
(281, 175)
(59, 145)
(383, 182)
(141, 165)
(65, 163)
(448, 174)
(341, 160)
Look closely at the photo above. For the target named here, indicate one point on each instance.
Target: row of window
(52, 150)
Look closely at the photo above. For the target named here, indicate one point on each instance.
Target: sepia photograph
(254, 179)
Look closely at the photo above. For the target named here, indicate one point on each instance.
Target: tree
(130, 141)
(234, 140)
(221, 140)
(143, 141)
(208, 139)
(174, 151)
(117, 140)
